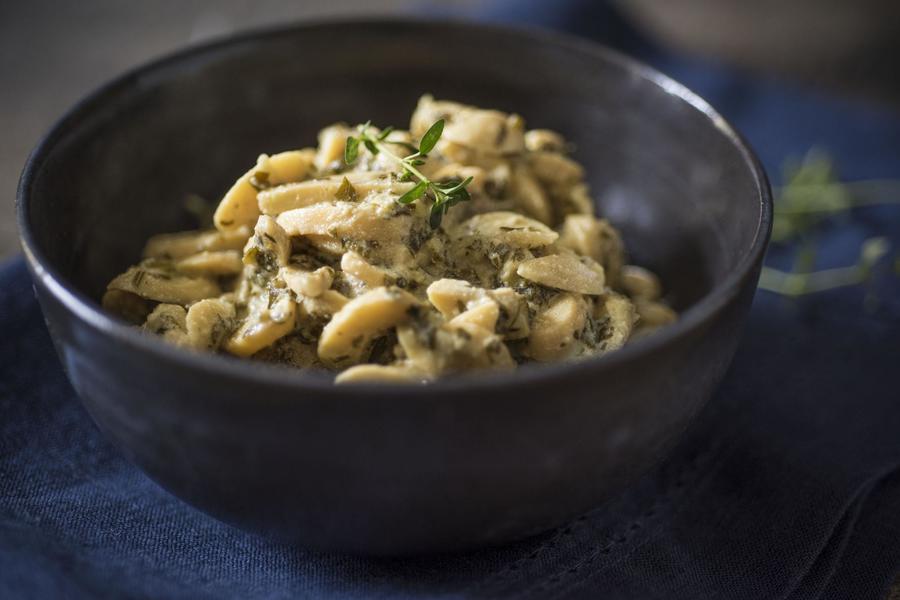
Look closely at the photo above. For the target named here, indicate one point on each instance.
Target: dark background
(53, 52)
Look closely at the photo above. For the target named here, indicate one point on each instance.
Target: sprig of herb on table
(811, 195)
(443, 195)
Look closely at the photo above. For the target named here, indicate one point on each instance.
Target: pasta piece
(215, 263)
(618, 315)
(239, 207)
(169, 322)
(263, 325)
(483, 315)
(369, 373)
(362, 275)
(331, 147)
(554, 330)
(291, 350)
(127, 305)
(453, 297)
(361, 226)
(597, 239)
(311, 284)
(578, 201)
(352, 186)
(565, 272)
(188, 243)
(161, 283)
(269, 248)
(531, 197)
(544, 140)
(351, 330)
(452, 348)
(638, 282)
(208, 323)
(554, 169)
(487, 131)
(509, 228)
(324, 305)
(654, 314)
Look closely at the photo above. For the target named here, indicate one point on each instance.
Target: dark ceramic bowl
(391, 469)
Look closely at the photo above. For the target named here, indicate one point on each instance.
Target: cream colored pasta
(313, 263)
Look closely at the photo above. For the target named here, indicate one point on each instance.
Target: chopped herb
(351, 150)
(346, 191)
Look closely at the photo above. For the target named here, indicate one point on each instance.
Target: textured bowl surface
(391, 470)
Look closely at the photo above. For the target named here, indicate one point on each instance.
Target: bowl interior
(121, 166)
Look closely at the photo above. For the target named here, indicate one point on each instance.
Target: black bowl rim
(89, 311)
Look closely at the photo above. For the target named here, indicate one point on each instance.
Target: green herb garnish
(812, 193)
(443, 195)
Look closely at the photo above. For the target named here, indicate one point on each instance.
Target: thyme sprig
(812, 193)
(443, 195)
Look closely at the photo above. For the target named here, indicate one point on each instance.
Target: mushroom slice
(554, 330)
(263, 324)
(350, 187)
(208, 323)
(156, 280)
(565, 272)
(187, 243)
(239, 206)
(351, 330)
(638, 282)
(510, 228)
(400, 372)
(311, 284)
(211, 262)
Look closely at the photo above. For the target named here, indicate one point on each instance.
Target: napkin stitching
(685, 469)
(565, 578)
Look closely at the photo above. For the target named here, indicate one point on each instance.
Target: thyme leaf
(443, 195)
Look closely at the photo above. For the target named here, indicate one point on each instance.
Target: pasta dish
(465, 242)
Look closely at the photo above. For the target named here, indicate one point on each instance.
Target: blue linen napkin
(787, 487)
